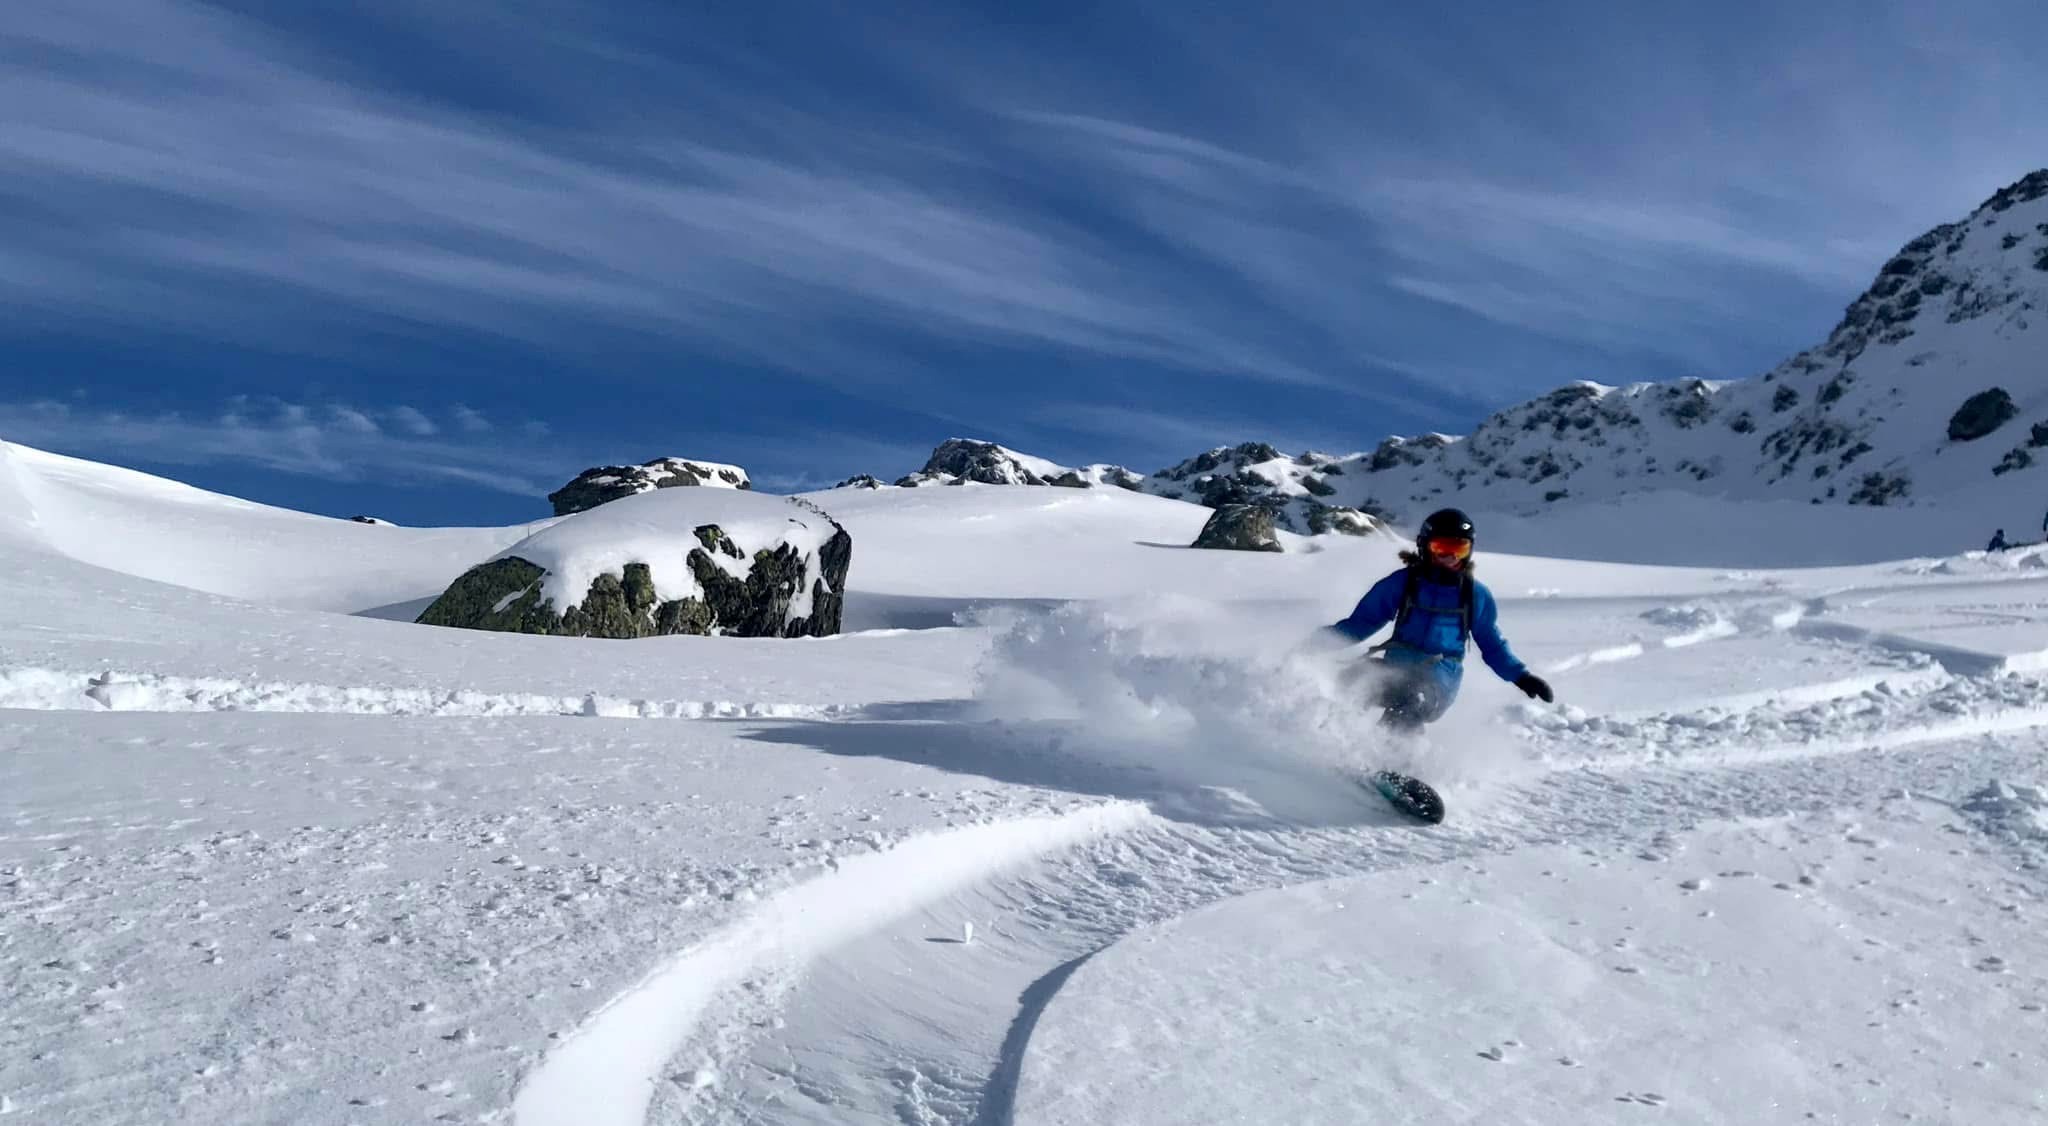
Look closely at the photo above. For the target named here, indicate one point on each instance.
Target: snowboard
(1412, 796)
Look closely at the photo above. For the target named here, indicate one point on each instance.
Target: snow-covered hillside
(1932, 393)
(1063, 835)
(159, 529)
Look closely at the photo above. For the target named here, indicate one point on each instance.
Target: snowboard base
(1412, 796)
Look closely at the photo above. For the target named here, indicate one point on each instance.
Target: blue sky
(429, 260)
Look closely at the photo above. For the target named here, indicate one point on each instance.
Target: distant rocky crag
(603, 483)
(1292, 490)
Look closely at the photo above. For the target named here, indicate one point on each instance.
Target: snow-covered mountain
(1934, 384)
(1933, 390)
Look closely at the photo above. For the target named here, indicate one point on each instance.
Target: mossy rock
(502, 595)
(1240, 527)
(714, 538)
(505, 595)
(620, 606)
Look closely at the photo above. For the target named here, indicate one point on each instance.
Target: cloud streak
(332, 441)
(1377, 219)
(189, 145)
(1624, 181)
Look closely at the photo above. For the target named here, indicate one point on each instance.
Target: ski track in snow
(605, 1074)
(1714, 764)
(1071, 906)
(1608, 780)
(1876, 712)
(42, 689)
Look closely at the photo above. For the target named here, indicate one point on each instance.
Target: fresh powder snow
(1062, 831)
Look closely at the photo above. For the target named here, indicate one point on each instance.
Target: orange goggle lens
(1457, 549)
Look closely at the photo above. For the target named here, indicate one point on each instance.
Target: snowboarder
(1435, 605)
(1998, 541)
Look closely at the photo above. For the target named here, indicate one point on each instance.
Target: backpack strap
(1408, 584)
(1464, 608)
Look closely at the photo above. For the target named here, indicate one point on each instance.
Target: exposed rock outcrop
(1239, 527)
(652, 565)
(605, 483)
(1981, 414)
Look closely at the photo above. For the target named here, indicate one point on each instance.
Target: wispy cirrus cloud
(333, 441)
(1374, 218)
(1604, 179)
(1185, 432)
(162, 142)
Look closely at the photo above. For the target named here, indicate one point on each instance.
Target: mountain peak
(1930, 389)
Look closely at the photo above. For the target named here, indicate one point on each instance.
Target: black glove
(1536, 687)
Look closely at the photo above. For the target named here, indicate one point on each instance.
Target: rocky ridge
(600, 484)
(1935, 380)
(1291, 489)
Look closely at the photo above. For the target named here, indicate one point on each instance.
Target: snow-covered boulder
(604, 483)
(695, 561)
(1240, 527)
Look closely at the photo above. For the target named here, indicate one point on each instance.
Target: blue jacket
(1432, 628)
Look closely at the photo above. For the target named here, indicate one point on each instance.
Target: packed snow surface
(1062, 832)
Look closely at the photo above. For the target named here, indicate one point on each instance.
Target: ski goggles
(1455, 548)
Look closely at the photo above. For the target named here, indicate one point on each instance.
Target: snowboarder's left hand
(1536, 687)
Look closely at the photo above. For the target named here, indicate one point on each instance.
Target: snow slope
(158, 529)
(1062, 837)
(1773, 971)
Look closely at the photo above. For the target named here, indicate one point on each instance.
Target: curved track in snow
(41, 689)
(606, 1072)
(865, 1025)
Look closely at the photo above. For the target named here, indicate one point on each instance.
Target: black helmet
(1447, 523)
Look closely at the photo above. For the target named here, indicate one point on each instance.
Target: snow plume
(1207, 694)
